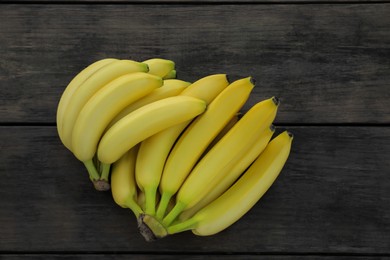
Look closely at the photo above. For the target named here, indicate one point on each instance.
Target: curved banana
(171, 75)
(90, 86)
(73, 86)
(244, 194)
(213, 165)
(123, 186)
(207, 88)
(170, 88)
(199, 134)
(145, 122)
(160, 67)
(222, 133)
(98, 112)
(236, 168)
(156, 148)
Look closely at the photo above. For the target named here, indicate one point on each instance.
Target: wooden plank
(327, 63)
(332, 197)
(194, 1)
(181, 256)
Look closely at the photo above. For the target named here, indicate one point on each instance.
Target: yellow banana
(211, 168)
(73, 86)
(243, 195)
(207, 88)
(171, 75)
(170, 88)
(236, 168)
(90, 86)
(140, 198)
(97, 113)
(145, 122)
(222, 133)
(156, 148)
(160, 67)
(199, 134)
(123, 186)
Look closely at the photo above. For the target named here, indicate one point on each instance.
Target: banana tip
(291, 135)
(227, 78)
(276, 101)
(253, 81)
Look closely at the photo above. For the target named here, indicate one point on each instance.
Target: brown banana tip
(276, 101)
(291, 135)
(252, 80)
(101, 185)
(272, 127)
(228, 78)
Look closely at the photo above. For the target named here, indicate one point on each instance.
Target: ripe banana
(145, 122)
(156, 148)
(171, 75)
(236, 168)
(222, 133)
(244, 194)
(160, 67)
(123, 186)
(199, 134)
(170, 88)
(97, 113)
(90, 86)
(73, 86)
(213, 165)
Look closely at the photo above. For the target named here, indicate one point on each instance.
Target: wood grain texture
(327, 63)
(332, 197)
(192, 1)
(181, 256)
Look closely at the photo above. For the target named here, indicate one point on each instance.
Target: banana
(170, 88)
(145, 122)
(199, 134)
(90, 86)
(141, 198)
(123, 186)
(156, 148)
(73, 86)
(102, 107)
(210, 170)
(236, 168)
(160, 67)
(207, 88)
(243, 195)
(171, 75)
(221, 134)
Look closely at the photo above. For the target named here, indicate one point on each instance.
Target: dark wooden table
(328, 62)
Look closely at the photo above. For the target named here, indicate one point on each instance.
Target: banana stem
(172, 215)
(93, 173)
(150, 201)
(163, 205)
(133, 206)
(183, 226)
(105, 171)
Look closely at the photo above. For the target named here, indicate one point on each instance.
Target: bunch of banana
(181, 156)
(106, 92)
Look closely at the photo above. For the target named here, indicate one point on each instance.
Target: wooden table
(327, 61)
